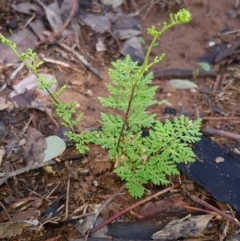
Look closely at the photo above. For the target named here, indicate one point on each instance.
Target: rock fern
(140, 160)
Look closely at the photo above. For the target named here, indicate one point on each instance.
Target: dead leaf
(53, 14)
(23, 100)
(34, 151)
(27, 8)
(25, 215)
(127, 33)
(55, 147)
(184, 228)
(125, 27)
(30, 82)
(24, 39)
(39, 29)
(99, 24)
(133, 48)
(9, 230)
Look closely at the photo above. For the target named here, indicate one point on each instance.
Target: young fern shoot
(139, 160)
(65, 111)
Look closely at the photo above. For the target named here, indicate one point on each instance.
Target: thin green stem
(143, 69)
(29, 67)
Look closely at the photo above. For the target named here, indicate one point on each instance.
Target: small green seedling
(138, 160)
(66, 111)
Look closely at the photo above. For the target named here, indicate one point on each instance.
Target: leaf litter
(101, 32)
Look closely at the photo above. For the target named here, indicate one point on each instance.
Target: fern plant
(140, 160)
(66, 111)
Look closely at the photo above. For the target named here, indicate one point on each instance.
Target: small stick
(67, 196)
(107, 202)
(182, 73)
(138, 11)
(64, 64)
(199, 210)
(99, 210)
(9, 217)
(7, 175)
(209, 206)
(219, 118)
(26, 199)
(15, 72)
(35, 193)
(82, 215)
(131, 207)
(82, 59)
(217, 83)
(221, 133)
(49, 195)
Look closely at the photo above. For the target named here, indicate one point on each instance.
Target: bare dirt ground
(32, 193)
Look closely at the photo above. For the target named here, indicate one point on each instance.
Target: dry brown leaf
(184, 228)
(34, 148)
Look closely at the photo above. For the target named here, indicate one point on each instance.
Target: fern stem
(28, 66)
(143, 69)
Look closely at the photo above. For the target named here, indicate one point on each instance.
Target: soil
(184, 45)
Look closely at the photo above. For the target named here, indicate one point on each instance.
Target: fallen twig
(108, 201)
(221, 133)
(8, 175)
(62, 63)
(131, 207)
(35, 193)
(15, 72)
(82, 59)
(209, 206)
(99, 210)
(9, 217)
(224, 118)
(182, 73)
(217, 83)
(199, 210)
(67, 196)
